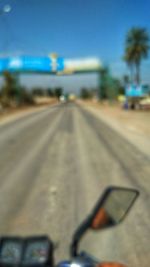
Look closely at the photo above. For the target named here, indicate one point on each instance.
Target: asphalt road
(54, 164)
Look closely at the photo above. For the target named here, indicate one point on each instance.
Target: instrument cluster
(26, 251)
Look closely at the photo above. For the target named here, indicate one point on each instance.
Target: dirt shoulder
(133, 125)
(18, 112)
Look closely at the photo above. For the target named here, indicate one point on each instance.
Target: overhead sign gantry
(50, 65)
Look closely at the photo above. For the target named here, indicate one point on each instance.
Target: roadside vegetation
(110, 88)
(137, 45)
(14, 95)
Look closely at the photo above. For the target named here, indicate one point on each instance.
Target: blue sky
(73, 29)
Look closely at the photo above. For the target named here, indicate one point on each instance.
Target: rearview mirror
(112, 207)
(110, 210)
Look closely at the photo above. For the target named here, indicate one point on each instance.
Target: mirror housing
(110, 210)
(112, 207)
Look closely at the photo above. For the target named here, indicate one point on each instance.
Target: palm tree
(136, 49)
(128, 58)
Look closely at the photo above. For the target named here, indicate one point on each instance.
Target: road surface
(54, 164)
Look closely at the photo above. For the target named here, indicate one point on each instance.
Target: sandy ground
(16, 113)
(133, 125)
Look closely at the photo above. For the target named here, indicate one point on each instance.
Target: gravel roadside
(20, 113)
(133, 125)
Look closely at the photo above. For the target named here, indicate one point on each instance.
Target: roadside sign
(26, 63)
(49, 64)
(134, 91)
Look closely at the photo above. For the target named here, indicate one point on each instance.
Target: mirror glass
(113, 208)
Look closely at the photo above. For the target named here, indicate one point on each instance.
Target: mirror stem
(77, 237)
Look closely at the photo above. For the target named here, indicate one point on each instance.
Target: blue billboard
(135, 91)
(3, 64)
(31, 64)
(60, 64)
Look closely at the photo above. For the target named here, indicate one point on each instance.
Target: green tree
(10, 93)
(85, 93)
(128, 58)
(50, 92)
(58, 92)
(104, 82)
(38, 91)
(109, 88)
(26, 97)
(9, 89)
(126, 80)
(136, 49)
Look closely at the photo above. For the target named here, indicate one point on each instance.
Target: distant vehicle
(62, 99)
(71, 97)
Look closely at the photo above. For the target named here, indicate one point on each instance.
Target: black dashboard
(32, 251)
